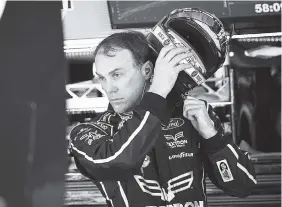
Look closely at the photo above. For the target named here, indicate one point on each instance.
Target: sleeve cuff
(156, 104)
(218, 141)
(215, 143)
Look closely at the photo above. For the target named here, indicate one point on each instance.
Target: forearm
(239, 177)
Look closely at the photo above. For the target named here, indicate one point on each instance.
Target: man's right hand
(167, 68)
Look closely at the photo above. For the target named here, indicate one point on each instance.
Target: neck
(147, 87)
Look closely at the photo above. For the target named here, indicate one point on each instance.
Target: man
(148, 149)
(225, 172)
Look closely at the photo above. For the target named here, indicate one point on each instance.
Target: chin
(120, 109)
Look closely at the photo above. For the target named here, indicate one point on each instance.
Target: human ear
(147, 70)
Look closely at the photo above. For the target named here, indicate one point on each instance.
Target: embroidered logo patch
(173, 123)
(146, 162)
(224, 170)
(176, 140)
(174, 186)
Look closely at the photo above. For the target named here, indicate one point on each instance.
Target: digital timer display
(268, 7)
(254, 8)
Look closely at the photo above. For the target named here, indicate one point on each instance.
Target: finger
(191, 118)
(200, 105)
(183, 67)
(165, 50)
(176, 59)
(194, 101)
(192, 112)
(175, 51)
(194, 104)
(190, 97)
(192, 107)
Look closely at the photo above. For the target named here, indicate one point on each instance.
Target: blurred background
(245, 91)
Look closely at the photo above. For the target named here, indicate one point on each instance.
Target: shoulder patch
(224, 170)
(87, 132)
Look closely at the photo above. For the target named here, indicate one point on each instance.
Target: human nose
(109, 86)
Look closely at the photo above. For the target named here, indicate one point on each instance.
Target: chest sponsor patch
(145, 164)
(176, 140)
(88, 132)
(224, 170)
(175, 185)
(180, 155)
(146, 161)
(91, 136)
(187, 204)
(173, 123)
(102, 125)
(126, 116)
(106, 117)
(120, 125)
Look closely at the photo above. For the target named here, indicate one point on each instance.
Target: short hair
(135, 42)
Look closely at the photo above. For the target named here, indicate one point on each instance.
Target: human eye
(116, 75)
(101, 78)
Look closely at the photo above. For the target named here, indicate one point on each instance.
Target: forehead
(121, 58)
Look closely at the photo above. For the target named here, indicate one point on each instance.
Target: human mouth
(116, 100)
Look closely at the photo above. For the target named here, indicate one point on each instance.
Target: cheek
(132, 81)
(136, 82)
(134, 86)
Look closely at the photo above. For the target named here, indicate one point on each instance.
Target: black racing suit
(149, 157)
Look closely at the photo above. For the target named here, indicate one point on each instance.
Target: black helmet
(202, 32)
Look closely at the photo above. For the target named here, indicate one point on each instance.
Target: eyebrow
(113, 71)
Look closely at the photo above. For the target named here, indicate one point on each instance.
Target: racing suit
(153, 156)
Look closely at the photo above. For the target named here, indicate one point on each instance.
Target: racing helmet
(199, 30)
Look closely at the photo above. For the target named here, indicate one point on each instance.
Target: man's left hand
(195, 110)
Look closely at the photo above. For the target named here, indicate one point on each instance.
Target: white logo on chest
(146, 161)
(173, 123)
(180, 155)
(176, 142)
(91, 136)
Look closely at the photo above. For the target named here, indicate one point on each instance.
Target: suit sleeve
(227, 166)
(103, 156)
